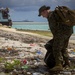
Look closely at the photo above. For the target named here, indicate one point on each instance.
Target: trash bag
(49, 58)
(48, 46)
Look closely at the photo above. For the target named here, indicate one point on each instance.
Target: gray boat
(5, 17)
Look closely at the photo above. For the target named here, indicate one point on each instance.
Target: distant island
(27, 21)
(24, 21)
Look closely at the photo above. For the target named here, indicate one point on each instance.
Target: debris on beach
(22, 54)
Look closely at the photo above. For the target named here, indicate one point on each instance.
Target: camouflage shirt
(58, 29)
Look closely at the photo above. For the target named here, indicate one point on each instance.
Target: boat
(5, 17)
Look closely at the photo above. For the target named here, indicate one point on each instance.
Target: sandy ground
(25, 45)
(72, 39)
(27, 37)
(14, 30)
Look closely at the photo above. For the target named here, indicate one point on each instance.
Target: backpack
(64, 15)
(49, 58)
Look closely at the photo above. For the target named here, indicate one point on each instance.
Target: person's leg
(65, 53)
(57, 47)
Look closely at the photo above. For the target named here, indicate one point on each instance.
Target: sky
(21, 10)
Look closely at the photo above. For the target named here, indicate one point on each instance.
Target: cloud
(28, 9)
(33, 5)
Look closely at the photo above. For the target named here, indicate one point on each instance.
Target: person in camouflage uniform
(61, 34)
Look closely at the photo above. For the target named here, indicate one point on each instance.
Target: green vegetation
(11, 66)
(1, 59)
(40, 32)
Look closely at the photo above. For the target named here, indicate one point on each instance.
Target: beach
(29, 47)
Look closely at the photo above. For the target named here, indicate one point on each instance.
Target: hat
(42, 9)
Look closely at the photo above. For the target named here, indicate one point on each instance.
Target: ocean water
(33, 26)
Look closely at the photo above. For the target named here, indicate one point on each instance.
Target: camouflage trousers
(60, 45)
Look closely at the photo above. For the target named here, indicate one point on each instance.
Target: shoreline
(37, 33)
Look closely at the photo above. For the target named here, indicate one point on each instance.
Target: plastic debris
(25, 67)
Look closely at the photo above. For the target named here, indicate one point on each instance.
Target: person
(61, 34)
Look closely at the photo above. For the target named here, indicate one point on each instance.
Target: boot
(58, 67)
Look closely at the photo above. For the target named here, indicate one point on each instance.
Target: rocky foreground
(23, 54)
